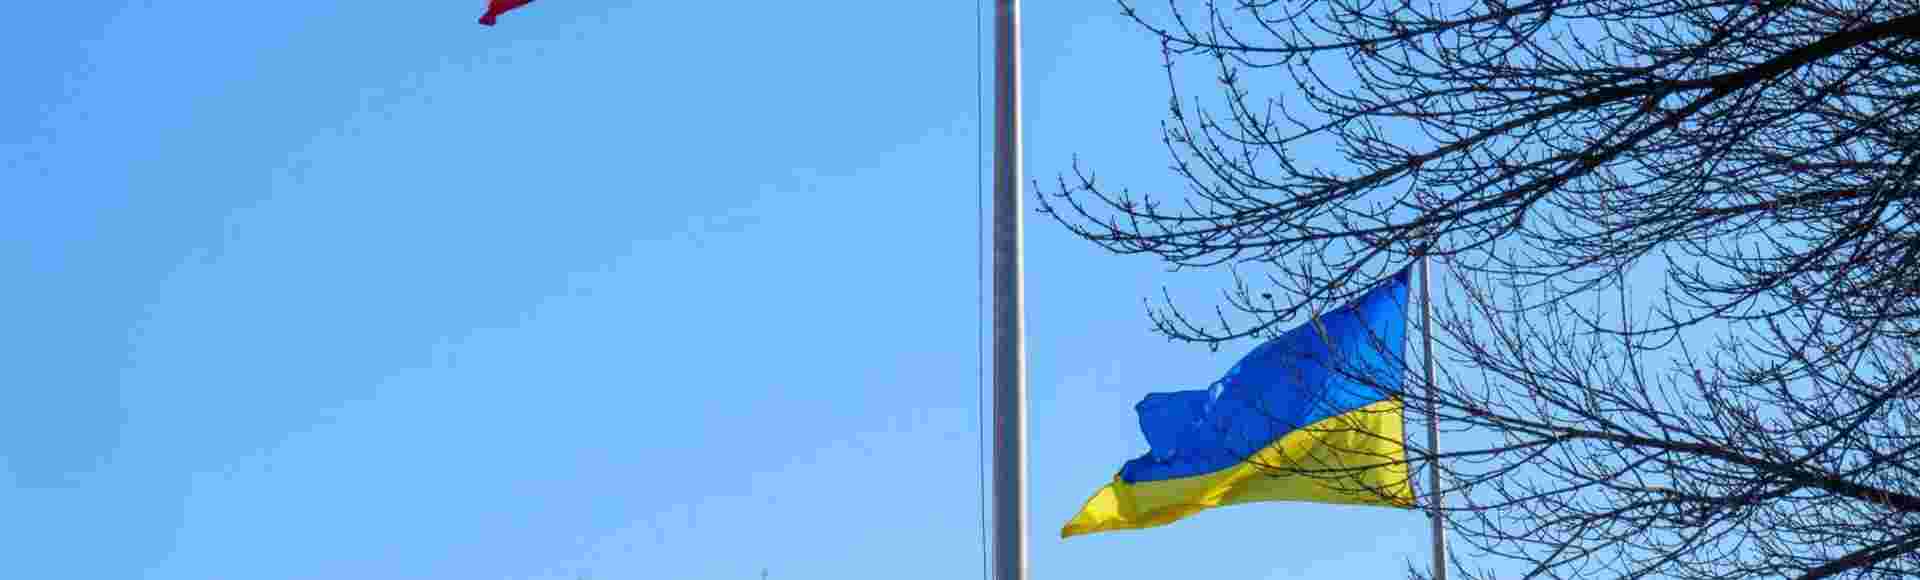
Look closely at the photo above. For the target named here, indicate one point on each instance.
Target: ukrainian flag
(1309, 416)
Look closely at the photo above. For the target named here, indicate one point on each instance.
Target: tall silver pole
(1433, 424)
(1009, 310)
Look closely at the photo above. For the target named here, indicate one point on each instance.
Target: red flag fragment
(497, 7)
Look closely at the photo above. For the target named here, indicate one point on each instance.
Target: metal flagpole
(1009, 310)
(1433, 423)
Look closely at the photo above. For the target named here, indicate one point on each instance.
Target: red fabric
(497, 7)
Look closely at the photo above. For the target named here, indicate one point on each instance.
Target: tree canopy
(1676, 238)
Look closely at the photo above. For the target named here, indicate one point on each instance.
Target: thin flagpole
(1009, 310)
(1433, 424)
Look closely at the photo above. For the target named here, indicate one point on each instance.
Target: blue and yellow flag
(1310, 416)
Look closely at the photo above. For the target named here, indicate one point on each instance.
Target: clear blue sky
(670, 290)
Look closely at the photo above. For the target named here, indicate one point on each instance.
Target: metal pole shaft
(1433, 424)
(1009, 310)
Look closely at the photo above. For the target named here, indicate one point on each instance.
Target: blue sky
(625, 290)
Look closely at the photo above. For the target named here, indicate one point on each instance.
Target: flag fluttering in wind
(1312, 415)
(497, 7)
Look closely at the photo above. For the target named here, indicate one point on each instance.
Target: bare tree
(1752, 415)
